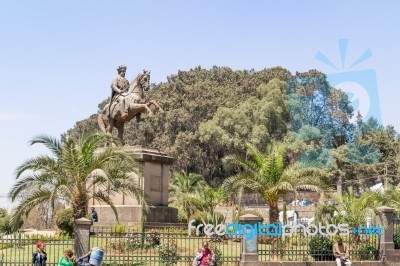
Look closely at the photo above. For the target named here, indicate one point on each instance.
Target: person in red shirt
(205, 255)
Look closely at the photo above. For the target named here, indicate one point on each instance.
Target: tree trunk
(80, 206)
(274, 219)
(239, 199)
(273, 212)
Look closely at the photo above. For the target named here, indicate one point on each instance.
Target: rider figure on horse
(120, 85)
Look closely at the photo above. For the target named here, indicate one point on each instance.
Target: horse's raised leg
(140, 107)
(153, 102)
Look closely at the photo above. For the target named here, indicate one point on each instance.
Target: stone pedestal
(387, 237)
(81, 236)
(249, 246)
(154, 167)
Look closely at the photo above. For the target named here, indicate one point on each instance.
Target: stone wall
(256, 199)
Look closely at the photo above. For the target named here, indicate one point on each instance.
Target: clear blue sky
(57, 58)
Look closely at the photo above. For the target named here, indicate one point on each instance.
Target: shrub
(46, 238)
(182, 216)
(321, 248)
(65, 221)
(296, 240)
(134, 244)
(197, 216)
(169, 254)
(365, 251)
(119, 245)
(119, 228)
(218, 255)
(5, 225)
(214, 219)
(152, 238)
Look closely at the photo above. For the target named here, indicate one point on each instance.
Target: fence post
(387, 233)
(249, 246)
(81, 236)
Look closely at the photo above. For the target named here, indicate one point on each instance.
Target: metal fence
(159, 247)
(396, 232)
(171, 246)
(300, 247)
(17, 249)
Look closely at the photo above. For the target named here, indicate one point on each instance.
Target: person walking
(39, 257)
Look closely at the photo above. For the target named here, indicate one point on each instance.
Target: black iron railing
(17, 249)
(160, 247)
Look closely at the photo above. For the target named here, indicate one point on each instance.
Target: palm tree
(391, 197)
(184, 190)
(267, 175)
(210, 198)
(353, 210)
(76, 171)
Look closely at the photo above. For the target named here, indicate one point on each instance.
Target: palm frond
(66, 175)
(40, 163)
(27, 204)
(105, 197)
(53, 144)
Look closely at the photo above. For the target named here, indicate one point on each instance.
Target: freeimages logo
(361, 85)
(313, 119)
(250, 231)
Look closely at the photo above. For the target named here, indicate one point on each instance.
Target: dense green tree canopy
(210, 114)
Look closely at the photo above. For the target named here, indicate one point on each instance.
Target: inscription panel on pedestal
(155, 183)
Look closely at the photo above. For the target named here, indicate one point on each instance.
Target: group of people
(205, 256)
(39, 257)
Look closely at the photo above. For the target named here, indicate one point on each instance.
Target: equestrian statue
(127, 102)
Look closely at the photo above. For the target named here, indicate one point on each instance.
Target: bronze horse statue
(111, 116)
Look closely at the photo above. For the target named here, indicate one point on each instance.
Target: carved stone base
(154, 166)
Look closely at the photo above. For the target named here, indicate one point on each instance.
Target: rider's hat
(121, 67)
